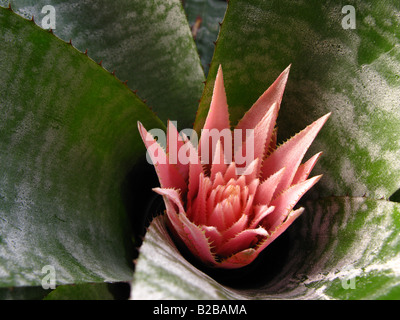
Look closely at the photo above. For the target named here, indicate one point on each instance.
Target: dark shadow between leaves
(255, 275)
(395, 197)
(141, 202)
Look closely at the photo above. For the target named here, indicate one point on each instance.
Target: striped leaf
(354, 73)
(68, 138)
(340, 248)
(148, 43)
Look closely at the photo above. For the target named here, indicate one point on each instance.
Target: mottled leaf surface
(148, 43)
(68, 137)
(353, 73)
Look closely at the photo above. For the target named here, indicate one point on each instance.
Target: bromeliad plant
(75, 188)
(227, 216)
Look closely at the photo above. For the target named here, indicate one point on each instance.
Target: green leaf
(204, 17)
(87, 291)
(68, 138)
(148, 43)
(353, 73)
(340, 248)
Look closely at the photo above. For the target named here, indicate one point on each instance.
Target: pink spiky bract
(226, 218)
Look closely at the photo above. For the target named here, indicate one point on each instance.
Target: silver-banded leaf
(148, 43)
(68, 137)
(353, 73)
(340, 248)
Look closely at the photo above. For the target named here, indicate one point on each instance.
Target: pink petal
(236, 228)
(229, 211)
(174, 143)
(267, 188)
(273, 95)
(218, 180)
(285, 202)
(168, 175)
(241, 241)
(230, 172)
(172, 195)
(213, 199)
(249, 205)
(237, 206)
(218, 163)
(196, 240)
(305, 169)
(195, 170)
(246, 256)
(252, 171)
(264, 130)
(262, 136)
(249, 190)
(253, 186)
(239, 259)
(174, 207)
(240, 182)
(218, 114)
(213, 235)
(217, 217)
(260, 212)
(291, 153)
(199, 213)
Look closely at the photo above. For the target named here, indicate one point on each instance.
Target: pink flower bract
(224, 218)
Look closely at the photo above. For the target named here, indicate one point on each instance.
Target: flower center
(225, 205)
